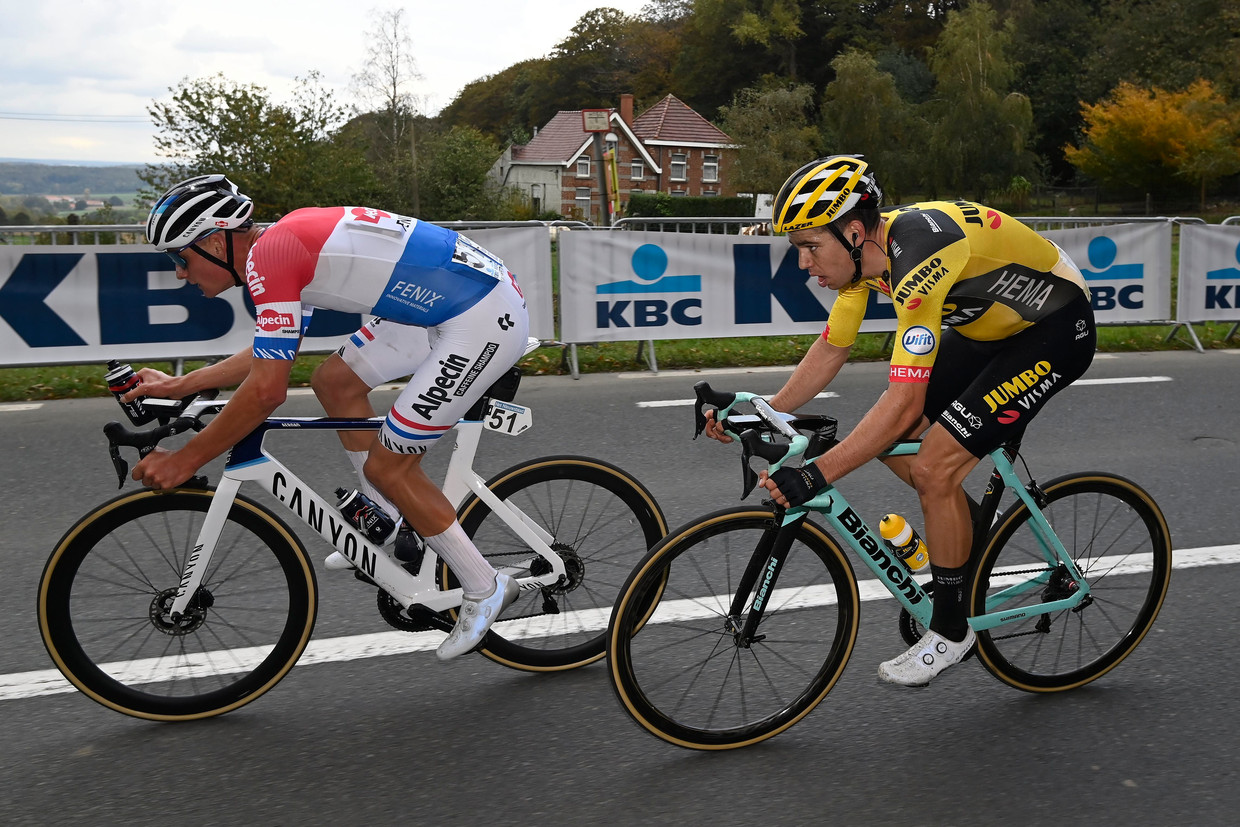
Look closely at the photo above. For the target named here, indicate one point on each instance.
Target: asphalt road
(405, 738)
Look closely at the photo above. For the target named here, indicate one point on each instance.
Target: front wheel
(685, 673)
(601, 520)
(1119, 540)
(106, 591)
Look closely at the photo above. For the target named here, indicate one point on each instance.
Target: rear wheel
(601, 520)
(1119, 540)
(107, 589)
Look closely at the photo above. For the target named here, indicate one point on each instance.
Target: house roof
(563, 138)
(560, 139)
(671, 121)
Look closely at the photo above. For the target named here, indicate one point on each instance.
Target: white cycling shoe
(475, 617)
(926, 659)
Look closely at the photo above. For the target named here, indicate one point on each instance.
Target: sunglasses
(179, 260)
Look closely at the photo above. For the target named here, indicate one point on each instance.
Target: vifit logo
(649, 263)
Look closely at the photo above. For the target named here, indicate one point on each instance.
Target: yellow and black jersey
(960, 265)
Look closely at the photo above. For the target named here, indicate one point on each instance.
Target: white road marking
(381, 644)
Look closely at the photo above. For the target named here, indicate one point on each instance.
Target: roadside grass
(82, 381)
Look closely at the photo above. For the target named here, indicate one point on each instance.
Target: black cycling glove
(799, 485)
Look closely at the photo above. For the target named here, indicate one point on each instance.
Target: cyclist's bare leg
(401, 479)
(342, 393)
(485, 592)
(937, 472)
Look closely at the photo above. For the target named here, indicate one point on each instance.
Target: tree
(1049, 38)
(1142, 139)
(383, 84)
(772, 126)
(282, 155)
(1167, 44)
(863, 114)
(773, 24)
(981, 130)
(592, 64)
(453, 170)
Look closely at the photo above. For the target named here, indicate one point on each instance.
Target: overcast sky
(77, 76)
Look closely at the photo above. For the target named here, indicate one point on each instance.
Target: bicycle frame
(248, 461)
(873, 551)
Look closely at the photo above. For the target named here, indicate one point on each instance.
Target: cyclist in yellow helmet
(992, 320)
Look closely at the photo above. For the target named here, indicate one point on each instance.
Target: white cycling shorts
(452, 365)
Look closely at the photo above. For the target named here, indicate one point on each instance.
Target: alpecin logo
(270, 321)
(450, 370)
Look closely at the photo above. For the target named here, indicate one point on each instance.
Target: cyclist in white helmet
(992, 320)
(447, 311)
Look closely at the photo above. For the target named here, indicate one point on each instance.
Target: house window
(680, 166)
(535, 197)
(677, 193)
(637, 170)
(709, 193)
(583, 200)
(583, 167)
(710, 168)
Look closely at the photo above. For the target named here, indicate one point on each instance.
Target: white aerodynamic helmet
(195, 208)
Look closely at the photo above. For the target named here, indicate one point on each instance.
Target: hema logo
(649, 263)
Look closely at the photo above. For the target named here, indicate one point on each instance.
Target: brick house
(668, 148)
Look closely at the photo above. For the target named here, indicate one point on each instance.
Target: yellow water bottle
(904, 542)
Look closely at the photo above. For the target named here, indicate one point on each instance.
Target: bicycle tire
(602, 520)
(105, 588)
(1119, 539)
(680, 672)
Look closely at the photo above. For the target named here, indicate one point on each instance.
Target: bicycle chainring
(397, 617)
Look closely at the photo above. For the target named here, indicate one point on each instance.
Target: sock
(477, 576)
(358, 460)
(950, 618)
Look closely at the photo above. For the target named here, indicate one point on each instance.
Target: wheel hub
(574, 569)
(190, 621)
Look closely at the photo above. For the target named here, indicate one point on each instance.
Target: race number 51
(507, 418)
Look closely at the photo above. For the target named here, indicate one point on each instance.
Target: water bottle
(121, 379)
(904, 542)
(364, 515)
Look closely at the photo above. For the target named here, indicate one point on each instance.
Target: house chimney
(626, 109)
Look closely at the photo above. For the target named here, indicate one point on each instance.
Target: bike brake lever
(119, 463)
(750, 444)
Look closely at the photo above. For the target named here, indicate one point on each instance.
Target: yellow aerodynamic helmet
(824, 190)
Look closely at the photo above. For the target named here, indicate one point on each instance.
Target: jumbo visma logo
(649, 264)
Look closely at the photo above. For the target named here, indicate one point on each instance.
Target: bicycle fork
(761, 572)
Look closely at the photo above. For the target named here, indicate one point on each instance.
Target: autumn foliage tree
(1155, 141)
